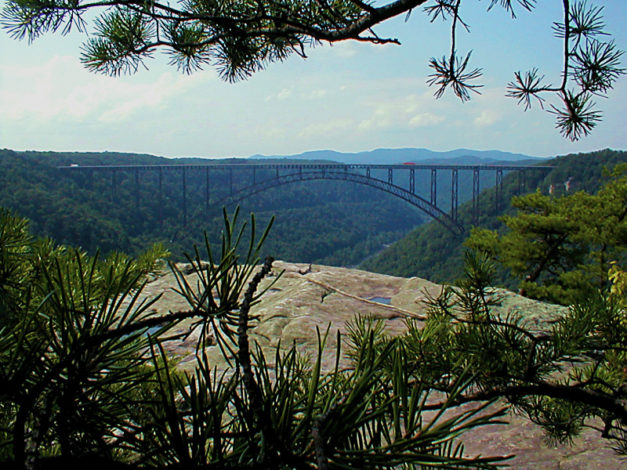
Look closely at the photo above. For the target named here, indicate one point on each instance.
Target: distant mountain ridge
(377, 156)
(415, 155)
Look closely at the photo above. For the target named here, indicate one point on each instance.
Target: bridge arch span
(332, 174)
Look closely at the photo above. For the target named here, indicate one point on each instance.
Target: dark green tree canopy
(561, 246)
(87, 381)
(240, 37)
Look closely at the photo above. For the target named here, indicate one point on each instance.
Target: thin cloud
(425, 119)
(61, 89)
(326, 129)
(486, 118)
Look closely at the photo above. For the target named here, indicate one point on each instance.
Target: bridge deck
(334, 171)
(316, 166)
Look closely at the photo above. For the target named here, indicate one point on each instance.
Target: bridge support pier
(434, 179)
(475, 196)
(498, 189)
(454, 192)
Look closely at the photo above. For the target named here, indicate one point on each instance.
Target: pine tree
(562, 247)
(86, 381)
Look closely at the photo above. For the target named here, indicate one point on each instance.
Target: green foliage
(15, 244)
(321, 222)
(431, 252)
(562, 374)
(86, 379)
(151, 261)
(562, 247)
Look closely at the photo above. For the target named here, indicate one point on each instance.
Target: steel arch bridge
(287, 173)
(342, 175)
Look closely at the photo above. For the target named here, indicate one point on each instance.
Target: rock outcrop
(302, 299)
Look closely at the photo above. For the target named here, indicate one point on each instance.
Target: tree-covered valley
(433, 253)
(144, 326)
(328, 222)
(94, 374)
(324, 222)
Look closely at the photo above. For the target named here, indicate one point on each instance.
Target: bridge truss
(286, 173)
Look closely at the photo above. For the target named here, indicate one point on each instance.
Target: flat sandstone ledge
(309, 297)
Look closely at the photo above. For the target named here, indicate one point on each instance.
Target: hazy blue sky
(346, 97)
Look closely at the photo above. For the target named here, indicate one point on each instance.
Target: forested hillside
(432, 252)
(323, 222)
(326, 222)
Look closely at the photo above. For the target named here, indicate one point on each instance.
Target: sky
(348, 97)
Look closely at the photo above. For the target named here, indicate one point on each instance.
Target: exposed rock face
(306, 299)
